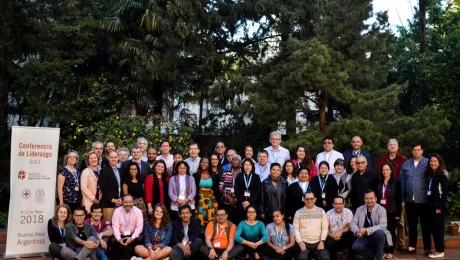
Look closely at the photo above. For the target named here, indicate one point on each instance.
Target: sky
(399, 11)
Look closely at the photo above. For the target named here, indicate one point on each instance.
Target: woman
(56, 233)
(273, 193)
(68, 187)
(351, 166)
(182, 189)
(295, 193)
(251, 233)
(249, 153)
(206, 202)
(281, 243)
(177, 157)
(304, 160)
(289, 172)
(437, 195)
(134, 186)
(89, 182)
(389, 197)
(340, 175)
(156, 187)
(216, 167)
(247, 189)
(350, 169)
(157, 235)
(324, 187)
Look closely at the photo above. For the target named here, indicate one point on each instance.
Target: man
(262, 168)
(394, 158)
(414, 187)
(311, 227)
(329, 154)
(109, 147)
(219, 243)
(142, 143)
(277, 153)
(370, 227)
(103, 229)
(165, 149)
(136, 157)
(361, 181)
(151, 158)
(220, 149)
(98, 148)
(127, 224)
(226, 187)
(357, 144)
(339, 236)
(81, 238)
(110, 185)
(228, 157)
(186, 231)
(123, 155)
(194, 160)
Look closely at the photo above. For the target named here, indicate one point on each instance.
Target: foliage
(453, 209)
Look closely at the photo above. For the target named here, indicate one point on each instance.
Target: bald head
(356, 143)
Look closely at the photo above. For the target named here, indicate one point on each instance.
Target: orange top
(220, 235)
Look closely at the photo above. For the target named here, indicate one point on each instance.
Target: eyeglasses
(79, 216)
(360, 162)
(220, 215)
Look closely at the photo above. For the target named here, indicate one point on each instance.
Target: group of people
(225, 206)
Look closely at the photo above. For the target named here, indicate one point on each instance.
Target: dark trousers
(194, 247)
(438, 229)
(55, 250)
(174, 215)
(391, 226)
(312, 250)
(416, 211)
(370, 246)
(288, 255)
(118, 249)
(236, 251)
(334, 246)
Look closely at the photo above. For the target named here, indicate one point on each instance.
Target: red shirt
(398, 161)
(102, 224)
(148, 189)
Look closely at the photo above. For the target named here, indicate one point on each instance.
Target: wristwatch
(284, 248)
(211, 247)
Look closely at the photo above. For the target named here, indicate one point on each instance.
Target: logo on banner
(26, 194)
(22, 175)
(39, 195)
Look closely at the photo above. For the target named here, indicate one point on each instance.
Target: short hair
(127, 195)
(142, 138)
(186, 206)
(79, 208)
(339, 161)
(393, 141)
(324, 163)
(370, 191)
(110, 142)
(328, 138)
(274, 165)
(67, 155)
(194, 144)
(151, 148)
(178, 152)
(95, 206)
(362, 157)
(124, 149)
(310, 192)
(221, 208)
(275, 133)
(417, 144)
(303, 168)
(339, 197)
(263, 151)
(165, 141)
(231, 150)
(88, 155)
(97, 142)
(237, 156)
(135, 147)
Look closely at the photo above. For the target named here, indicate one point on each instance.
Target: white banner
(34, 154)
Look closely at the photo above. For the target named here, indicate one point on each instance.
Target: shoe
(428, 252)
(173, 255)
(436, 256)
(133, 258)
(413, 251)
(389, 256)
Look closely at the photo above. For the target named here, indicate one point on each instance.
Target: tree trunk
(322, 102)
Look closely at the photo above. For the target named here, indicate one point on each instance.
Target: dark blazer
(54, 234)
(215, 187)
(294, 199)
(394, 198)
(254, 188)
(124, 171)
(194, 230)
(359, 184)
(436, 199)
(331, 189)
(273, 198)
(109, 186)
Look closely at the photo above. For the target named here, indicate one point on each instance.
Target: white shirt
(279, 156)
(293, 181)
(330, 157)
(169, 160)
(262, 172)
(193, 164)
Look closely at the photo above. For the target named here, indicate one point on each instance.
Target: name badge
(323, 195)
(77, 188)
(383, 202)
(232, 190)
(247, 194)
(217, 244)
(127, 233)
(181, 197)
(428, 193)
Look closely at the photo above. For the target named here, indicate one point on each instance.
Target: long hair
(437, 172)
(186, 166)
(286, 224)
(200, 170)
(55, 220)
(164, 174)
(219, 164)
(137, 168)
(308, 160)
(253, 170)
(348, 165)
(284, 172)
(392, 174)
(165, 220)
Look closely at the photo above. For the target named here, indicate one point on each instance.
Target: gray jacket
(71, 233)
(414, 183)
(379, 221)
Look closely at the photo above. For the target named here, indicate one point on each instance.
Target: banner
(34, 154)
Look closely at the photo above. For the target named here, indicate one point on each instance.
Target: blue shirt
(414, 183)
(251, 233)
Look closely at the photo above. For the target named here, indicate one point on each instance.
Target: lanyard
(429, 185)
(221, 232)
(98, 172)
(246, 181)
(330, 155)
(279, 236)
(75, 175)
(222, 160)
(357, 154)
(61, 230)
(323, 184)
(127, 221)
(337, 179)
(369, 220)
(384, 188)
(306, 187)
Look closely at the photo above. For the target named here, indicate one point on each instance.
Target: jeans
(370, 245)
(312, 250)
(179, 255)
(236, 251)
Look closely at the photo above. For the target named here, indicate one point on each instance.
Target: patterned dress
(71, 189)
(207, 203)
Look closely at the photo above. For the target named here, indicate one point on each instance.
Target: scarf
(156, 190)
(187, 185)
(274, 179)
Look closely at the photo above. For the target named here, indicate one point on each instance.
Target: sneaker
(133, 258)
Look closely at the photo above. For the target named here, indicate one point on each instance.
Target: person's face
(249, 152)
(251, 213)
(133, 170)
(386, 171)
(136, 153)
(323, 170)
(275, 171)
(277, 217)
(159, 168)
(230, 155)
(361, 164)
(158, 213)
(193, 151)
(177, 158)
(353, 164)
(109, 147)
(309, 200)
(127, 203)
(289, 168)
(417, 152)
(262, 158)
(339, 168)
(93, 160)
(275, 140)
(98, 148)
(204, 164)
(370, 199)
(182, 169)
(392, 147)
(434, 163)
(301, 153)
(79, 217)
(96, 215)
(165, 148)
(328, 145)
(220, 148)
(152, 154)
(221, 216)
(338, 205)
(62, 214)
(214, 160)
(303, 175)
(113, 158)
(236, 163)
(71, 159)
(185, 215)
(247, 166)
(356, 143)
(123, 156)
(142, 144)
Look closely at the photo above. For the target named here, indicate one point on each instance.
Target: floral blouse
(72, 189)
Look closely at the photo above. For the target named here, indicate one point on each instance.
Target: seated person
(103, 228)
(81, 238)
(56, 227)
(370, 226)
(157, 234)
(219, 238)
(186, 232)
(251, 233)
(281, 239)
(339, 236)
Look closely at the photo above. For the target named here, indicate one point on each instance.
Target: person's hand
(128, 240)
(230, 199)
(361, 232)
(262, 215)
(245, 204)
(118, 202)
(90, 244)
(302, 246)
(100, 235)
(397, 218)
(150, 211)
(103, 244)
(324, 203)
(122, 241)
(438, 211)
(279, 250)
(212, 254)
(62, 244)
(95, 201)
(180, 202)
(446, 173)
(224, 255)
(320, 246)
(403, 206)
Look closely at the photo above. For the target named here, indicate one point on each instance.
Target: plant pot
(453, 230)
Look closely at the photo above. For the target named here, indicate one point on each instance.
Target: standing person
(340, 177)
(414, 187)
(251, 233)
(151, 158)
(157, 235)
(262, 167)
(185, 238)
(81, 238)
(281, 239)
(156, 187)
(98, 148)
(56, 229)
(110, 184)
(389, 197)
(229, 156)
(134, 186)
(329, 154)
(178, 156)
(182, 189)
(142, 143)
(247, 189)
(68, 182)
(295, 193)
(136, 153)
(350, 169)
(103, 229)
(109, 147)
(249, 153)
(194, 159)
(123, 155)
(165, 149)
(289, 172)
(339, 236)
(89, 182)
(227, 188)
(357, 145)
(220, 150)
(303, 160)
(325, 187)
(206, 202)
(277, 153)
(436, 197)
(273, 194)
(369, 225)
(360, 182)
(216, 167)
(311, 227)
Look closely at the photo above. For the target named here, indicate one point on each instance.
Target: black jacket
(124, 171)
(436, 199)
(194, 230)
(331, 189)
(394, 198)
(294, 199)
(359, 184)
(273, 198)
(109, 186)
(254, 188)
(215, 187)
